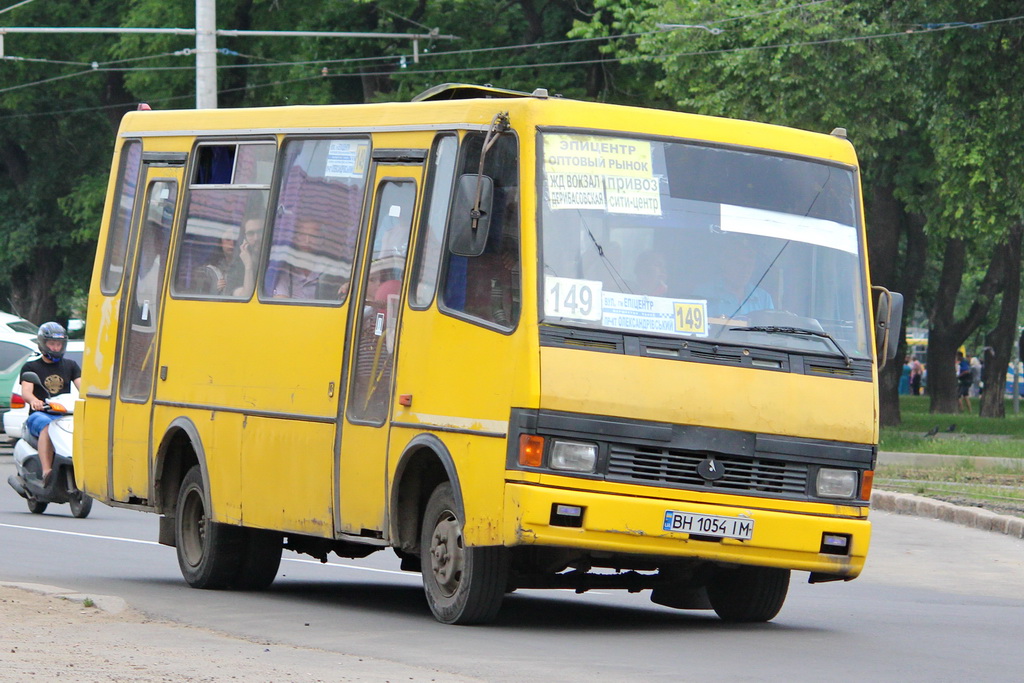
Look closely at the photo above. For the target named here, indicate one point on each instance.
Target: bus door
(364, 434)
(129, 446)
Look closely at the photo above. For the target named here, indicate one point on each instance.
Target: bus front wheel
(209, 554)
(463, 585)
(748, 594)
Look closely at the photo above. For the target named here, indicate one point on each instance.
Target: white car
(16, 416)
(13, 354)
(14, 327)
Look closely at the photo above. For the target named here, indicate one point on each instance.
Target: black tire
(748, 594)
(35, 506)
(210, 555)
(260, 561)
(463, 585)
(81, 504)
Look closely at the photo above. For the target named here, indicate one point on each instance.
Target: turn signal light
(17, 401)
(531, 450)
(866, 480)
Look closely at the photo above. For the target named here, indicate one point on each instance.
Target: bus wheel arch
(179, 450)
(425, 464)
(210, 554)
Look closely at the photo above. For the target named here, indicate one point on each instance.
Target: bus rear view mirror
(471, 215)
(888, 324)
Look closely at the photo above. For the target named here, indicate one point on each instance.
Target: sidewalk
(978, 518)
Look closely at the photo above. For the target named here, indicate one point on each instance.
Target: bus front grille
(677, 468)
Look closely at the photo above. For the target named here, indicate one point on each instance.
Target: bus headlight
(836, 483)
(573, 456)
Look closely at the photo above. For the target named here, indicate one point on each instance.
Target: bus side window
(228, 195)
(316, 222)
(120, 220)
(441, 175)
(487, 287)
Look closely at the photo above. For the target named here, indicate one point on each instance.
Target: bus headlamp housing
(833, 483)
(573, 456)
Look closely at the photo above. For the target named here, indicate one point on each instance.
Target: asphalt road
(937, 602)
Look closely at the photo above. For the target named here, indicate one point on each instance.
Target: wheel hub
(194, 529)
(447, 557)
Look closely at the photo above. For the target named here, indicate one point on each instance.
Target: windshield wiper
(773, 329)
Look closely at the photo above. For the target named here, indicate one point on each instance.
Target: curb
(977, 518)
(108, 603)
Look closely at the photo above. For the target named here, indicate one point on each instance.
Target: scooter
(28, 479)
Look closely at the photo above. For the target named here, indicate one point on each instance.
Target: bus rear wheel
(463, 585)
(748, 594)
(209, 554)
(260, 560)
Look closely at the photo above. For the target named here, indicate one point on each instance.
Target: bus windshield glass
(676, 239)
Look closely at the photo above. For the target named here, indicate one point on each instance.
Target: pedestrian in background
(975, 389)
(916, 375)
(963, 382)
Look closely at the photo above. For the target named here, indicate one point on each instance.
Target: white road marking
(79, 534)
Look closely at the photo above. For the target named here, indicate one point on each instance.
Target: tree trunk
(32, 294)
(1000, 341)
(887, 222)
(947, 333)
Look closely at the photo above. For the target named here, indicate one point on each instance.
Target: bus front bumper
(630, 525)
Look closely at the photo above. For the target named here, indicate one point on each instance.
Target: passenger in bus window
(651, 274)
(300, 276)
(487, 286)
(736, 290)
(241, 275)
(493, 283)
(212, 278)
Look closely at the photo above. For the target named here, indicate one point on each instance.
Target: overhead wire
(101, 67)
(423, 55)
(43, 60)
(15, 6)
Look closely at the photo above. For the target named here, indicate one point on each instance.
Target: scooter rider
(56, 372)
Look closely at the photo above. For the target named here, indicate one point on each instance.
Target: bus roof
(454, 106)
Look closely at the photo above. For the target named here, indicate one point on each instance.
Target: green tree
(59, 115)
(55, 145)
(970, 66)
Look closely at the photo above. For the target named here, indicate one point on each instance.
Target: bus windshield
(697, 241)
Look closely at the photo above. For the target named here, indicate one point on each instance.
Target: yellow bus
(521, 340)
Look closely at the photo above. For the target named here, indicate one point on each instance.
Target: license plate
(741, 528)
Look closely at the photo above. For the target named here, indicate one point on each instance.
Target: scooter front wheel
(35, 506)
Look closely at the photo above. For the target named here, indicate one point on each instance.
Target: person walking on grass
(963, 382)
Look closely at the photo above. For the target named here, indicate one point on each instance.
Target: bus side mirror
(471, 215)
(888, 324)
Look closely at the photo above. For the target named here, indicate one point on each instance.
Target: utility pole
(206, 33)
(206, 54)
